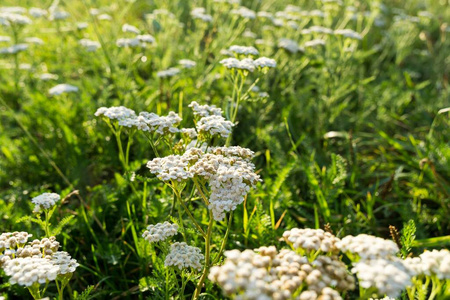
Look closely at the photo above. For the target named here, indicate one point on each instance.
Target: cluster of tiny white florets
(139, 40)
(390, 276)
(367, 246)
(89, 45)
(115, 112)
(11, 240)
(333, 272)
(248, 64)
(234, 151)
(244, 12)
(160, 232)
(187, 63)
(214, 125)
(62, 88)
(205, 110)
(348, 33)
(11, 18)
(200, 14)
(289, 45)
(245, 50)
(168, 73)
(48, 246)
(45, 201)
(429, 263)
(170, 168)
(230, 179)
(65, 263)
(30, 270)
(184, 256)
(311, 240)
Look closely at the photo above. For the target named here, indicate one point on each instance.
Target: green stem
(47, 230)
(207, 258)
(224, 241)
(178, 196)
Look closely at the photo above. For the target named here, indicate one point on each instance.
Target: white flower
(244, 12)
(59, 15)
(115, 112)
(172, 167)
(8, 18)
(265, 14)
(12, 240)
(317, 29)
(214, 125)
(37, 12)
(244, 50)
(104, 17)
(13, 9)
(91, 46)
(146, 38)
(4, 39)
(45, 201)
(435, 262)
(234, 63)
(200, 13)
(389, 276)
(311, 240)
(14, 49)
(168, 73)
(82, 25)
(205, 110)
(348, 33)
(34, 40)
(264, 62)
(190, 132)
(183, 256)
(249, 34)
(160, 232)
(65, 263)
(187, 63)
(367, 246)
(314, 43)
(30, 270)
(289, 45)
(63, 88)
(130, 28)
(135, 42)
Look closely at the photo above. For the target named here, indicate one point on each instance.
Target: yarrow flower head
(187, 63)
(311, 240)
(62, 89)
(11, 18)
(367, 246)
(246, 64)
(184, 256)
(45, 201)
(146, 38)
(30, 270)
(12, 240)
(200, 14)
(91, 46)
(14, 49)
(243, 50)
(431, 263)
(205, 110)
(115, 112)
(168, 73)
(289, 45)
(264, 62)
(160, 232)
(172, 167)
(131, 43)
(65, 263)
(130, 28)
(348, 33)
(214, 125)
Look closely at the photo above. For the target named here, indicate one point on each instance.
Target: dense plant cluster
(224, 149)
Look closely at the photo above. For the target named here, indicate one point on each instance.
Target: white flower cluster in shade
(189, 132)
(187, 63)
(160, 232)
(168, 73)
(34, 40)
(317, 29)
(14, 49)
(89, 45)
(45, 201)
(4, 39)
(37, 12)
(248, 64)
(270, 274)
(130, 28)
(390, 276)
(62, 89)
(431, 263)
(205, 110)
(314, 43)
(289, 45)
(368, 246)
(348, 33)
(170, 168)
(139, 40)
(245, 50)
(182, 256)
(199, 13)
(311, 240)
(12, 18)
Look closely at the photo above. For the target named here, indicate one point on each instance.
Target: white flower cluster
(244, 12)
(367, 246)
(311, 240)
(11, 240)
(37, 12)
(348, 33)
(130, 28)
(29, 270)
(184, 256)
(187, 63)
(289, 45)
(429, 263)
(115, 112)
(45, 201)
(230, 179)
(172, 167)
(160, 232)
(91, 46)
(389, 276)
(317, 29)
(272, 275)
(200, 14)
(48, 246)
(65, 263)
(314, 43)
(168, 73)
(205, 110)
(248, 64)
(14, 49)
(139, 40)
(243, 50)
(11, 18)
(62, 89)
(234, 151)
(214, 125)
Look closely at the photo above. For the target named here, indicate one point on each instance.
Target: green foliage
(408, 235)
